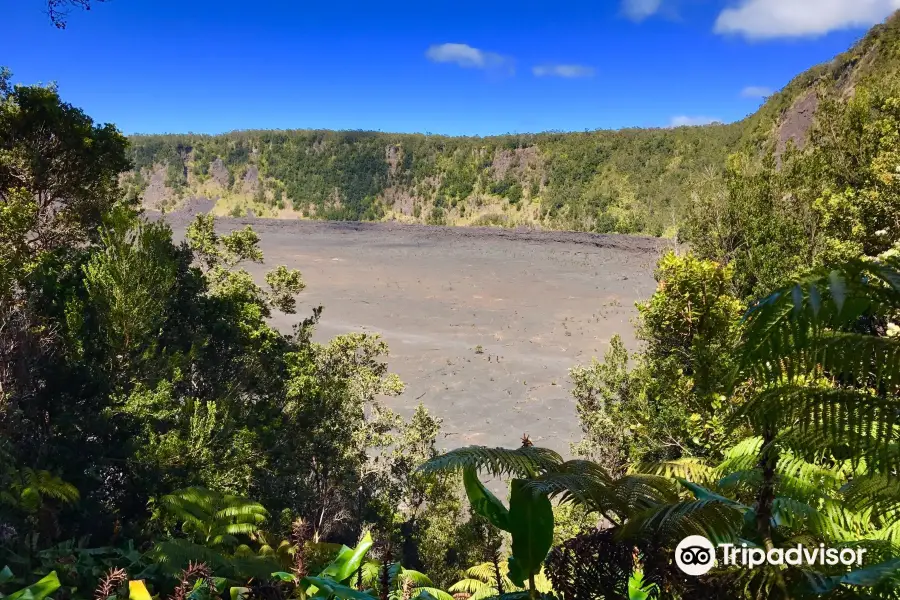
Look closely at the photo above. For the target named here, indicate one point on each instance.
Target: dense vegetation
(631, 181)
(159, 438)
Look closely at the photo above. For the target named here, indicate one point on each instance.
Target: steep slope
(627, 181)
(630, 181)
(873, 61)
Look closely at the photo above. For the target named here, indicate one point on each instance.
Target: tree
(670, 396)
(66, 166)
(58, 10)
(822, 404)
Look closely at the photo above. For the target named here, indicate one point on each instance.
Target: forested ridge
(626, 181)
(160, 439)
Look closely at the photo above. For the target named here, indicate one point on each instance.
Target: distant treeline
(628, 181)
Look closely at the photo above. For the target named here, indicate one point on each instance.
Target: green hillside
(627, 181)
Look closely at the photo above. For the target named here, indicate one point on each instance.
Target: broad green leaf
(347, 562)
(39, 590)
(239, 593)
(531, 526)
(6, 574)
(137, 590)
(484, 502)
(284, 576)
(838, 289)
(866, 577)
(430, 593)
(328, 587)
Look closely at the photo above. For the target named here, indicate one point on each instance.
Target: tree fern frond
(694, 469)
(524, 462)
(710, 518)
(176, 554)
(878, 492)
(583, 482)
(742, 456)
(370, 573)
(484, 593)
(418, 578)
(471, 586)
(636, 493)
(240, 528)
(878, 575)
(48, 484)
(242, 510)
(839, 420)
(485, 571)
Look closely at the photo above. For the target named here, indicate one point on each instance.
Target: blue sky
(452, 67)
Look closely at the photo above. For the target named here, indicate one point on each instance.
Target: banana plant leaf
(326, 588)
(348, 561)
(484, 502)
(39, 590)
(239, 593)
(531, 526)
(430, 593)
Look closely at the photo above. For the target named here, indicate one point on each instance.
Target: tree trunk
(768, 460)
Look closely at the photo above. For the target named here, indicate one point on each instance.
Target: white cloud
(638, 10)
(756, 91)
(684, 120)
(466, 56)
(761, 19)
(566, 71)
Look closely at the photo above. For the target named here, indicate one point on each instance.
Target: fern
(523, 462)
(826, 382)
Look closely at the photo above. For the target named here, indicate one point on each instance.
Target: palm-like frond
(837, 419)
(690, 468)
(485, 574)
(29, 488)
(579, 481)
(668, 523)
(640, 492)
(472, 586)
(524, 462)
(822, 375)
(215, 519)
(416, 578)
(48, 484)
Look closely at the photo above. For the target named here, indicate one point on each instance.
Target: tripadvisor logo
(696, 555)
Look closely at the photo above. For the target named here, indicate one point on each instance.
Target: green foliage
(36, 591)
(629, 181)
(531, 527)
(673, 400)
(491, 579)
(773, 217)
(529, 518)
(638, 589)
(210, 527)
(67, 166)
(129, 280)
(29, 490)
